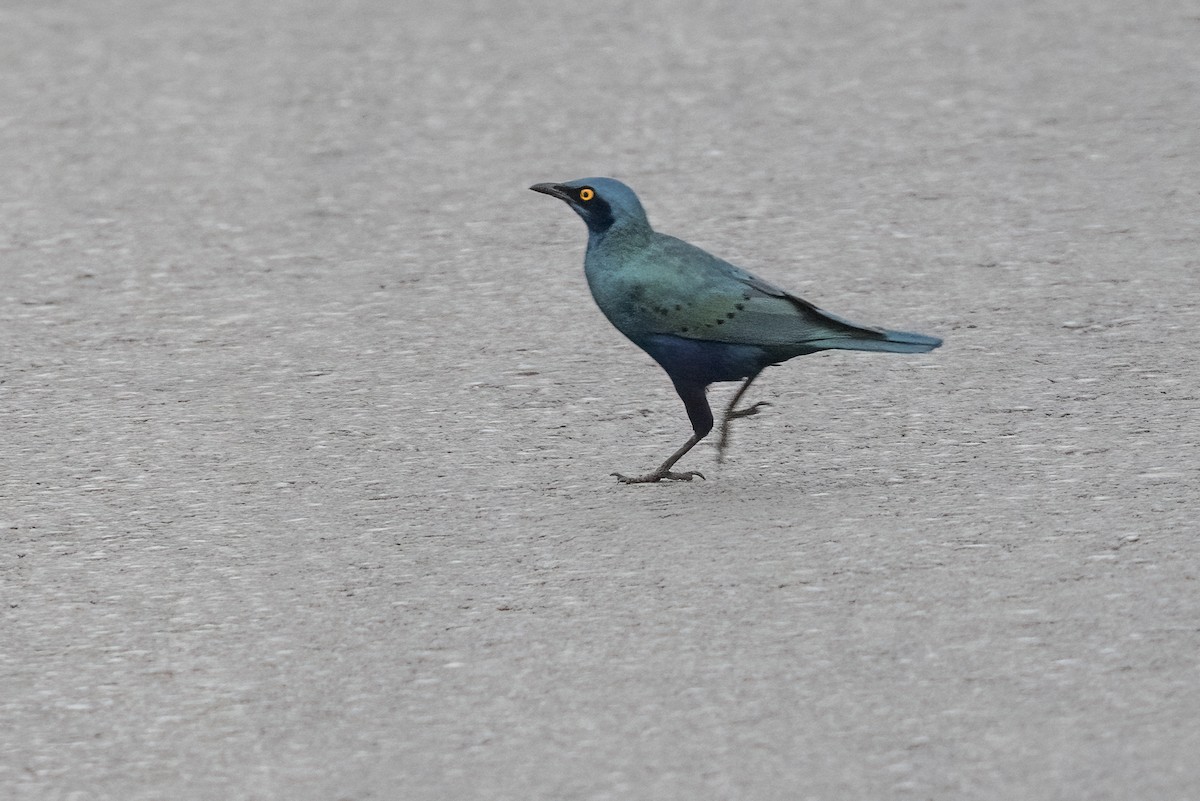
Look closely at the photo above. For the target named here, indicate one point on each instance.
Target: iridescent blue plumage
(701, 318)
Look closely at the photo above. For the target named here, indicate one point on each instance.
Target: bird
(702, 319)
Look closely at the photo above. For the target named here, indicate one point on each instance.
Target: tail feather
(882, 341)
(846, 335)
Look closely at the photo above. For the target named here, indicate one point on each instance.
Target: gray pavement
(308, 419)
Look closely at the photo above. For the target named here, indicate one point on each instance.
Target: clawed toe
(659, 475)
(747, 412)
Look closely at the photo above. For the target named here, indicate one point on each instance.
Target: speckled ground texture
(308, 418)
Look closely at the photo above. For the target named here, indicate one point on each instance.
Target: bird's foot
(659, 475)
(749, 411)
(734, 414)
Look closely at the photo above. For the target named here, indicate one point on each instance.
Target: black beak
(553, 190)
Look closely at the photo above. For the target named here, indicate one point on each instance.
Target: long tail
(881, 340)
(845, 335)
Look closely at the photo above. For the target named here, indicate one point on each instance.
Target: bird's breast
(634, 300)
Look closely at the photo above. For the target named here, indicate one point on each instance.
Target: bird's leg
(733, 414)
(665, 470)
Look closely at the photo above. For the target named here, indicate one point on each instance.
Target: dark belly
(703, 362)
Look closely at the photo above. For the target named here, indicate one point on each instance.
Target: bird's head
(601, 202)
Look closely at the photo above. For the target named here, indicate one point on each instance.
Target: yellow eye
(586, 194)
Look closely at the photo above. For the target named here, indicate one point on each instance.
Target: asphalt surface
(308, 418)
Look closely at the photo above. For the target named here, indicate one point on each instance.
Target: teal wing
(689, 292)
